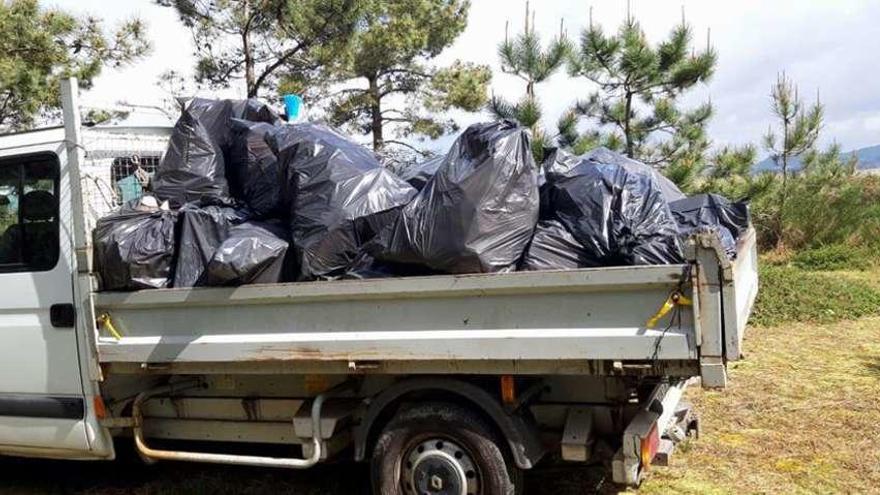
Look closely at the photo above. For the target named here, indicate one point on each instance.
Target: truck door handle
(62, 315)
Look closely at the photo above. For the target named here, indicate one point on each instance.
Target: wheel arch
(522, 436)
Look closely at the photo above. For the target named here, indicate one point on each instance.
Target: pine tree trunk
(780, 228)
(376, 113)
(249, 68)
(249, 78)
(626, 124)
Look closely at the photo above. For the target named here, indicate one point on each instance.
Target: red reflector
(508, 389)
(100, 408)
(650, 445)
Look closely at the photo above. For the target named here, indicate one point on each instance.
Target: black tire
(494, 471)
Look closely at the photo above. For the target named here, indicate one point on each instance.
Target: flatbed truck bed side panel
(738, 295)
(573, 315)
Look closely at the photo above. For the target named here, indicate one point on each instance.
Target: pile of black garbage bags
(241, 197)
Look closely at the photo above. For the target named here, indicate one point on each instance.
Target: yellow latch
(676, 298)
(104, 320)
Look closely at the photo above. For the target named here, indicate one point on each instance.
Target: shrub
(834, 257)
(826, 203)
(791, 294)
(824, 209)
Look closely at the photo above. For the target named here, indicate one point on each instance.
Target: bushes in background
(826, 203)
(791, 294)
(834, 257)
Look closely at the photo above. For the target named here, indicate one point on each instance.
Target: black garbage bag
(558, 162)
(554, 248)
(477, 213)
(419, 174)
(194, 166)
(202, 230)
(217, 116)
(619, 216)
(253, 110)
(365, 266)
(254, 175)
(338, 196)
(253, 253)
(135, 249)
(714, 213)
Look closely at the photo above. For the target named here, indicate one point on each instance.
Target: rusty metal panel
(223, 409)
(292, 369)
(222, 431)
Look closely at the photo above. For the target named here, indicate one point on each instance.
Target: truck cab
(43, 400)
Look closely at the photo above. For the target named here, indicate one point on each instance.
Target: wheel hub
(439, 467)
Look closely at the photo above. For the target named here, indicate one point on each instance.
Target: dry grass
(801, 415)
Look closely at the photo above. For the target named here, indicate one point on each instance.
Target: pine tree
(728, 172)
(389, 80)
(259, 40)
(799, 127)
(39, 46)
(635, 109)
(523, 56)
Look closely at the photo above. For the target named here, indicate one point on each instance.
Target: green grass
(834, 257)
(791, 294)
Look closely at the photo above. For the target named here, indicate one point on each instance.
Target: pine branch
(405, 145)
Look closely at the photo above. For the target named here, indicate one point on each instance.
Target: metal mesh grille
(118, 165)
(130, 176)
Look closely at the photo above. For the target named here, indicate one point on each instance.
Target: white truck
(446, 384)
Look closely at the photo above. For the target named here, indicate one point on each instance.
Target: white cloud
(872, 123)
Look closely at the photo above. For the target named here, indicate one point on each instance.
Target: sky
(829, 47)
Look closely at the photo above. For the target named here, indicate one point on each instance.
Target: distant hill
(869, 158)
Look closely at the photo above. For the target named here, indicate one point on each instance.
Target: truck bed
(579, 322)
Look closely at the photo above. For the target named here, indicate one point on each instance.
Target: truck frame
(445, 384)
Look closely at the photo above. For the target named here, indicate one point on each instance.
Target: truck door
(42, 405)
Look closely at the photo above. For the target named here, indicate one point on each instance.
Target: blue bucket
(293, 105)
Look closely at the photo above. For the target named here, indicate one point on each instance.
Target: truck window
(29, 238)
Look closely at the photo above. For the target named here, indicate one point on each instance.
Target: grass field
(802, 411)
(801, 415)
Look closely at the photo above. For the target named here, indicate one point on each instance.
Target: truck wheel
(441, 449)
